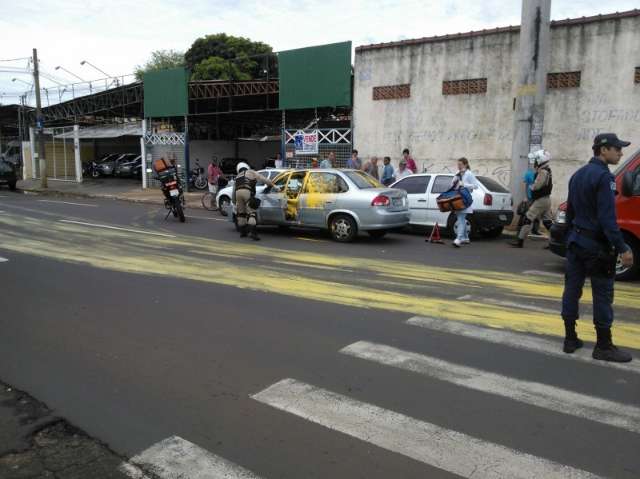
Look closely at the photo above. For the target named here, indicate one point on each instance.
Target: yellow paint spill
(414, 289)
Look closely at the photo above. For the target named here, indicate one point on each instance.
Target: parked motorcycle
(173, 194)
(198, 178)
(90, 168)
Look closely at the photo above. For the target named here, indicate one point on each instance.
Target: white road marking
(509, 304)
(549, 274)
(445, 449)
(209, 219)
(175, 458)
(3, 260)
(118, 228)
(68, 203)
(536, 394)
(517, 340)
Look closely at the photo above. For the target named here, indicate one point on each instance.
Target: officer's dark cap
(609, 139)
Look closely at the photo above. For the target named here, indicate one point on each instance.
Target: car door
(439, 185)
(293, 192)
(416, 188)
(319, 196)
(273, 202)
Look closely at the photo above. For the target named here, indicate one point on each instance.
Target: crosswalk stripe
(175, 458)
(428, 443)
(536, 394)
(509, 304)
(516, 340)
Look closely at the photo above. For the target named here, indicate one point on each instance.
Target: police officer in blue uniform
(593, 244)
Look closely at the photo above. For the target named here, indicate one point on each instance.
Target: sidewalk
(112, 188)
(35, 444)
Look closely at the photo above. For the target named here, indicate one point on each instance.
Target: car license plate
(502, 217)
(174, 192)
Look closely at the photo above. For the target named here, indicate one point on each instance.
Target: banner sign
(306, 143)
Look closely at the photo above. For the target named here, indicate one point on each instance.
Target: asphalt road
(297, 357)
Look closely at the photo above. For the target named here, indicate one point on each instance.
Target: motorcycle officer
(244, 197)
(593, 243)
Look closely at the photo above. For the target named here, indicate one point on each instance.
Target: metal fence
(337, 140)
(167, 146)
(59, 153)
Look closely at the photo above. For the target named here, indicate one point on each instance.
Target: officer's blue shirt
(592, 206)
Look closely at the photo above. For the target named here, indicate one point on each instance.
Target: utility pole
(39, 122)
(535, 42)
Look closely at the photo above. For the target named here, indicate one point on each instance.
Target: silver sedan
(342, 201)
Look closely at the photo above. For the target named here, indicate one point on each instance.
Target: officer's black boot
(547, 224)
(243, 231)
(519, 243)
(254, 233)
(571, 340)
(605, 349)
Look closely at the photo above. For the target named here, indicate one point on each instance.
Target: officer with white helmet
(541, 188)
(244, 197)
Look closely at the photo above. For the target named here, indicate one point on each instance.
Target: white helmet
(540, 156)
(242, 166)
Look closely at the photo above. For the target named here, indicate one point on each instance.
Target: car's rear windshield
(492, 185)
(362, 180)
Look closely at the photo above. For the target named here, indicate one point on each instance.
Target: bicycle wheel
(209, 202)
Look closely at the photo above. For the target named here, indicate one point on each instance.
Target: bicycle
(209, 201)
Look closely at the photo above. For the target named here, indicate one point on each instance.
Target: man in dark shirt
(593, 243)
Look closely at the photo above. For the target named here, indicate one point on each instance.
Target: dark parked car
(108, 166)
(228, 165)
(8, 174)
(129, 169)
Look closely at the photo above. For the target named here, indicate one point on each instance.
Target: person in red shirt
(214, 173)
(411, 165)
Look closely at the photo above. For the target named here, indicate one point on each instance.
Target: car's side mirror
(627, 184)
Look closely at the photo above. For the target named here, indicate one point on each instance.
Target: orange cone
(434, 237)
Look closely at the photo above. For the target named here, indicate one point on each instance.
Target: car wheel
(377, 234)
(494, 232)
(200, 183)
(223, 205)
(343, 228)
(12, 186)
(629, 273)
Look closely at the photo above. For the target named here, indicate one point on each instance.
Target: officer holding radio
(594, 242)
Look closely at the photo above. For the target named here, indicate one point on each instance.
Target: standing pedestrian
(528, 180)
(540, 208)
(371, 168)
(329, 161)
(402, 170)
(354, 163)
(214, 174)
(388, 175)
(409, 159)
(314, 163)
(593, 244)
(463, 179)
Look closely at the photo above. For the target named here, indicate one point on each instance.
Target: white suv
(492, 203)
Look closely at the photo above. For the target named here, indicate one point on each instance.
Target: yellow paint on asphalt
(411, 288)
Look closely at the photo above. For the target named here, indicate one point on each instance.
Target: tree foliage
(161, 60)
(225, 57)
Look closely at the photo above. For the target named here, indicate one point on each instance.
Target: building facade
(452, 96)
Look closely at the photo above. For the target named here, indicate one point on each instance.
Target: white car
(223, 198)
(492, 203)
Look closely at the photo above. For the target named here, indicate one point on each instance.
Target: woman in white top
(464, 178)
(403, 170)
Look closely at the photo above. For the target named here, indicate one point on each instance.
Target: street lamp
(18, 79)
(101, 71)
(70, 73)
(95, 68)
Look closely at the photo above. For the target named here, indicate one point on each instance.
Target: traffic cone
(434, 237)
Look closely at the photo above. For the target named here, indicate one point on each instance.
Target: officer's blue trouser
(601, 289)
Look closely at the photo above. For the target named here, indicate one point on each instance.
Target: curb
(68, 194)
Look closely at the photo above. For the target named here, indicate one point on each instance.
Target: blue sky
(118, 35)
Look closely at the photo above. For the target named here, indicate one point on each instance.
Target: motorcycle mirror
(149, 170)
